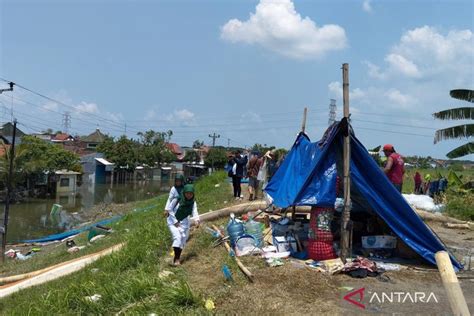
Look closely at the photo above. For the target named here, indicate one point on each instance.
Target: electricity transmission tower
(66, 121)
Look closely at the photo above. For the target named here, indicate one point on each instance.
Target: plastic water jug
(254, 229)
(234, 230)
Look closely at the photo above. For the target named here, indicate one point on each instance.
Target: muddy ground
(296, 289)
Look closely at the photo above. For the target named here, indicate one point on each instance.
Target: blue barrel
(234, 230)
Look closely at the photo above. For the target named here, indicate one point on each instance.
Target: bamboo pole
(451, 284)
(346, 214)
(229, 250)
(303, 124)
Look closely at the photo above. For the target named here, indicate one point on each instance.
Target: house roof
(95, 137)
(61, 137)
(66, 172)
(7, 130)
(174, 148)
(104, 162)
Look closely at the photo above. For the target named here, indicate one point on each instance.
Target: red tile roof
(61, 137)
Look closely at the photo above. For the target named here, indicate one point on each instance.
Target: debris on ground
(93, 298)
(165, 274)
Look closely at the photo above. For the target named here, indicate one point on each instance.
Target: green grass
(128, 279)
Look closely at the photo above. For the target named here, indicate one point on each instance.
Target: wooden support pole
(9, 192)
(346, 214)
(229, 250)
(451, 284)
(303, 124)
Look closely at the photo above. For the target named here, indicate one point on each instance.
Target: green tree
(192, 156)
(198, 143)
(35, 156)
(458, 131)
(154, 150)
(216, 157)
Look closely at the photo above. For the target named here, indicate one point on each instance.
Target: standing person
(427, 184)
(180, 211)
(394, 168)
(255, 163)
(238, 172)
(175, 191)
(418, 181)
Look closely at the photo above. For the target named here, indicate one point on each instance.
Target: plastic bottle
(254, 229)
(234, 229)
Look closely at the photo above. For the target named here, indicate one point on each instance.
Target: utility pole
(11, 84)
(228, 143)
(346, 214)
(9, 189)
(214, 136)
(332, 112)
(66, 121)
(125, 128)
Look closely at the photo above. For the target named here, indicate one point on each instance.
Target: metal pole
(9, 189)
(303, 124)
(346, 214)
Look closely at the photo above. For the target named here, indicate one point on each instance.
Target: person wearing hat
(395, 166)
(175, 191)
(180, 212)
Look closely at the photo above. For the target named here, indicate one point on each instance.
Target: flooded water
(31, 219)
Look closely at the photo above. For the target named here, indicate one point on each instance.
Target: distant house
(176, 150)
(93, 140)
(66, 181)
(62, 138)
(96, 168)
(43, 136)
(6, 134)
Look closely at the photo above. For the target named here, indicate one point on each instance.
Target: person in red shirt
(394, 168)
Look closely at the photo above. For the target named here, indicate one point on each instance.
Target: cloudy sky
(242, 69)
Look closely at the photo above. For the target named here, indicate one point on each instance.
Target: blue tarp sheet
(307, 177)
(73, 232)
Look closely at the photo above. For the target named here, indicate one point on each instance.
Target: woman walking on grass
(175, 191)
(180, 212)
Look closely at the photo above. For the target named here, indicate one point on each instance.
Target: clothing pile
(361, 267)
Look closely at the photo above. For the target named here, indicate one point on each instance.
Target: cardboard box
(283, 243)
(379, 242)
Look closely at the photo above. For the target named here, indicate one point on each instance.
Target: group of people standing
(252, 166)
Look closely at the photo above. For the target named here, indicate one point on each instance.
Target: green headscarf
(179, 176)
(185, 208)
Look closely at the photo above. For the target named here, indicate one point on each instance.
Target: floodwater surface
(31, 219)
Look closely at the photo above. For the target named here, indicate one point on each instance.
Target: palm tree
(458, 131)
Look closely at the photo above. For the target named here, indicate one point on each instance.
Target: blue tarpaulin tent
(308, 174)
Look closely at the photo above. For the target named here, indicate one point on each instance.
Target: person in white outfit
(180, 212)
(175, 191)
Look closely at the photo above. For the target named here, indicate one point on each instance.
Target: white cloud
(86, 107)
(181, 117)
(251, 117)
(278, 27)
(335, 91)
(402, 65)
(367, 6)
(427, 53)
(184, 115)
(403, 100)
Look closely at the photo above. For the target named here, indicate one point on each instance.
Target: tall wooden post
(346, 214)
(303, 124)
(9, 192)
